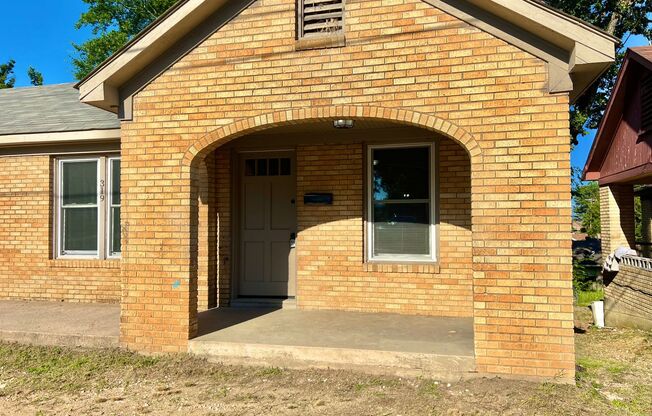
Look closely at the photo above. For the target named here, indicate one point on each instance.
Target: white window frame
(102, 205)
(109, 206)
(401, 258)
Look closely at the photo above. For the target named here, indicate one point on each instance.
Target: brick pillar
(646, 223)
(159, 259)
(522, 264)
(207, 257)
(617, 217)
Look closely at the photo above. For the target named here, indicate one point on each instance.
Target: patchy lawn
(615, 378)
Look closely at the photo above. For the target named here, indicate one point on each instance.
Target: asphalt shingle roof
(50, 109)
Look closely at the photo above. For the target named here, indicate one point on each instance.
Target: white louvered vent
(646, 104)
(321, 17)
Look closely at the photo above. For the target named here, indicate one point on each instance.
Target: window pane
(286, 168)
(262, 167)
(79, 229)
(115, 182)
(401, 173)
(273, 167)
(80, 183)
(401, 229)
(250, 167)
(115, 231)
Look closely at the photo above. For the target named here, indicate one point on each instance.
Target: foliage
(35, 77)
(586, 205)
(587, 297)
(113, 23)
(622, 19)
(7, 79)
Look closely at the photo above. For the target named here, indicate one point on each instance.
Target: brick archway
(200, 153)
(202, 147)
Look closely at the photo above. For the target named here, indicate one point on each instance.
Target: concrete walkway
(376, 343)
(58, 323)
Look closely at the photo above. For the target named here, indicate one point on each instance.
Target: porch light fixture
(343, 124)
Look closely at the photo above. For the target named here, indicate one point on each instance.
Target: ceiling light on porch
(343, 124)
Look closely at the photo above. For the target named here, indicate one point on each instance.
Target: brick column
(159, 259)
(522, 265)
(646, 223)
(617, 217)
(207, 257)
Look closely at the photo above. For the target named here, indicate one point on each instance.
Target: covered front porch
(379, 343)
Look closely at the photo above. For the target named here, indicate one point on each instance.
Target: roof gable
(618, 152)
(576, 53)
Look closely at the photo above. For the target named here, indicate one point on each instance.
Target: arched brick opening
(202, 147)
(202, 152)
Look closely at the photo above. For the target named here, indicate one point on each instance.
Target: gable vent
(646, 104)
(321, 17)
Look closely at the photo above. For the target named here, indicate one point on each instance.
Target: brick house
(620, 161)
(403, 156)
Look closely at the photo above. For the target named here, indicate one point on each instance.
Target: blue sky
(40, 33)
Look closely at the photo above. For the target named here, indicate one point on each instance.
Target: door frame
(236, 194)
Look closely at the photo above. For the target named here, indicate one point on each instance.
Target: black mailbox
(318, 199)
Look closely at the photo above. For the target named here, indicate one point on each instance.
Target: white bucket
(598, 313)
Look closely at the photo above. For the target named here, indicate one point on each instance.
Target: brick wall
(331, 271)
(617, 217)
(405, 61)
(628, 298)
(27, 270)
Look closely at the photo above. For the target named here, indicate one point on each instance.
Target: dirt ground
(614, 377)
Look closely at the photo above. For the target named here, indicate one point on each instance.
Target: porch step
(395, 363)
(375, 343)
(264, 303)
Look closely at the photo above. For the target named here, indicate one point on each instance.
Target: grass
(614, 378)
(585, 298)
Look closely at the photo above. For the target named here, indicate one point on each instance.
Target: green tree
(622, 19)
(7, 78)
(586, 206)
(113, 23)
(35, 77)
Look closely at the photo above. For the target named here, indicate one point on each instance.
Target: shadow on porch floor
(376, 343)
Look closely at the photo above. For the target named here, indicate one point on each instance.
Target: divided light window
(320, 17)
(88, 207)
(401, 203)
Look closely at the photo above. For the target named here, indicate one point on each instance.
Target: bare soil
(614, 377)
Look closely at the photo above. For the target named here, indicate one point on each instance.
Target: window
(320, 17)
(268, 167)
(401, 215)
(88, 220)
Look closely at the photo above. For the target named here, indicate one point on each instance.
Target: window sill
(90, 263)
(326, 41)
(402, 267)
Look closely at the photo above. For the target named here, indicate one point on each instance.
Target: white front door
(267, 225)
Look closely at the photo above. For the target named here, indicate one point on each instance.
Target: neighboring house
(448, 195)
(621, 162)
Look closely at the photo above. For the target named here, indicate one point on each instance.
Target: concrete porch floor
(59, 323)
(377, 343)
